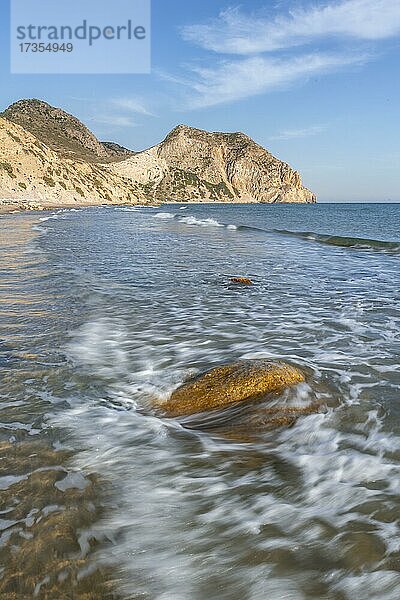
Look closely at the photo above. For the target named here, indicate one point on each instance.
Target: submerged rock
(256, 419)
(227, 385)
(241, 280)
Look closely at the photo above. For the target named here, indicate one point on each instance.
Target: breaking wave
(356, 243)
(343, 241)
(193, 221)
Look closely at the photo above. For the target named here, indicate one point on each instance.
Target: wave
(201, 222)
(193, 221)
(321, 475)
(356, 243)
(124, 209)
(252, 228)
(343, 241)
(49, 217)
(164, 215)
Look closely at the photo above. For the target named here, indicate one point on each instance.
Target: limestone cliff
(194, 164)
(49, 157)
(32, 174)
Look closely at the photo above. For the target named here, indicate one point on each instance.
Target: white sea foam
(335, 472)
(196, 511)
(200, 222)
(192, 221)
(164, 215)
(130, 208)
(380, 585)
(50, 217)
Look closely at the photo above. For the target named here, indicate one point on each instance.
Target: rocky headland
(49, 158)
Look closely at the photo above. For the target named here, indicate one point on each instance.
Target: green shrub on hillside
(8, 168)
(49, 181)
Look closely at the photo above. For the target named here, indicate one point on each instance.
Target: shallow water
(103, 309)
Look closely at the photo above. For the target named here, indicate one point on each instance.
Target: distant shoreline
(19, 206)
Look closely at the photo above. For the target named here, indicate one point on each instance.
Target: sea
(106, 310)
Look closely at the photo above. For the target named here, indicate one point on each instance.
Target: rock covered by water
(241, 280)
(231, 384)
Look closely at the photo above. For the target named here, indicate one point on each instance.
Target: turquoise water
(102, 309)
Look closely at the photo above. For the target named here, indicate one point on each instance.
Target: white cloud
(114, 121)
(234, 80)
(268, 55)
(234, 32)
(291, 134)
(117, 112)
(131, 104)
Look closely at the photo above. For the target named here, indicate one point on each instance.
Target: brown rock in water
(232, 384)
(257, 419)
(241, 280)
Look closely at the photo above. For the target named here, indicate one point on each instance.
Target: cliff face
(195, 164)
(49, 156)
(31, 172)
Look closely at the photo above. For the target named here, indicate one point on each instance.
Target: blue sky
(317, 83)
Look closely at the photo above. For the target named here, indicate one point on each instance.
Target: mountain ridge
(49, 156)
(213, 166)
(61, 131)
